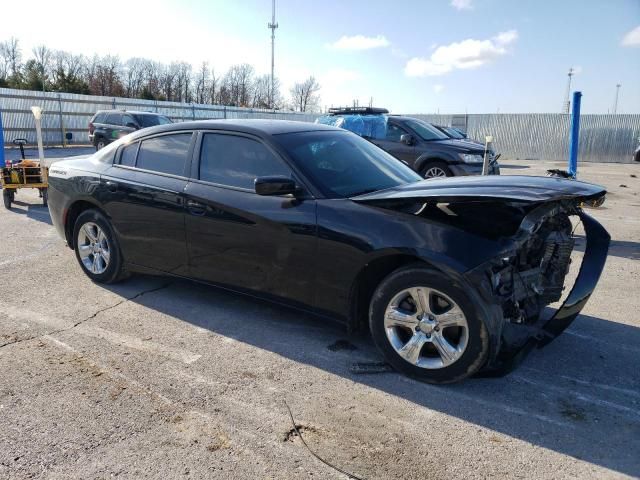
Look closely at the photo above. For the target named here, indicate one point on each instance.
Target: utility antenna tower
(273, 25)
(615, 102)
(567, 102)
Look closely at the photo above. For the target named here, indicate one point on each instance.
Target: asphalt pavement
(164, 378)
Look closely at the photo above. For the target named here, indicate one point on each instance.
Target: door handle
(196, 208)
(112, 186)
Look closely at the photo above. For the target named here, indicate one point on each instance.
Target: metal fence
(69, 112)
(603, 138)
(545, 136)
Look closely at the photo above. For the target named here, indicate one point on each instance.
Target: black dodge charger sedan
(451, 276)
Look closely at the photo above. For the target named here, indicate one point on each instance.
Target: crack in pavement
(90, 317)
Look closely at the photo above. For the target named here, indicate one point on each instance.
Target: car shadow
(617, 248)
(513, 167)
(36, 212)
(580, 396)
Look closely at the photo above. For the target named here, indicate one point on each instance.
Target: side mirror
(132, 125)
(275, 186)
(406, 139)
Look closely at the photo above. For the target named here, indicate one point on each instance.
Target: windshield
(453, 133)
(344, 165)
(425, 131)
(151, 120)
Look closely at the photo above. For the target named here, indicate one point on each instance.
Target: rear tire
(97, 248)
(435, 170)
(7, 197)
(100, 143)
(439, 338)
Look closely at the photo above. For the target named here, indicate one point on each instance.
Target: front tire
(436, 170)
(427, 327)
(97, 248)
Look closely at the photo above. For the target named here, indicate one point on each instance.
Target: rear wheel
(100, 143)
(97, 248)
(7, 197)
(427, 327)
(436, 170)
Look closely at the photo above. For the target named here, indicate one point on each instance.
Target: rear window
(165, 154)
(151, 120)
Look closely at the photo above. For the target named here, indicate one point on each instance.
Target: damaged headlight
(471, 158)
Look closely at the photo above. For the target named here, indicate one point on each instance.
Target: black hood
(461, 146)
(490, 187)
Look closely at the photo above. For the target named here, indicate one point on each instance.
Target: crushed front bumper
(509, 356)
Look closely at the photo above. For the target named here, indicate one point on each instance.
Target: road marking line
(135, 343)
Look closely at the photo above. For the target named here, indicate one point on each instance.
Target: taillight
(91, 127)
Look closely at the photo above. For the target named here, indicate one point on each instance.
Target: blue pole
(575, 134)
(1, 142)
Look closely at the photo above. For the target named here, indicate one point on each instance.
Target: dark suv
(109, 125)
(427, 150)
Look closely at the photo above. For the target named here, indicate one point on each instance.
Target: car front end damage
(528, 221)
(521, 283)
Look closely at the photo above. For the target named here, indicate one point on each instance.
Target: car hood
(459, 145)
(490, 187)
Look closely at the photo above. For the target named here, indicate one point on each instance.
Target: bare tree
(134, 74)
(43, 57)
(202, 84)
(13, 55)
(304, 95)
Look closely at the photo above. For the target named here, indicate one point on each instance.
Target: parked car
(107, 126)
(427, 150)
(636, 154)
(451, 275)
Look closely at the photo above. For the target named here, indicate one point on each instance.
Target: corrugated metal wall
(532, 136)
(603, 138)
(68, 112)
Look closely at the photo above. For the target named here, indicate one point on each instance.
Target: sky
(410, 56)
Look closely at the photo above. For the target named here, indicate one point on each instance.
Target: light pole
(567, 103)
(615, 102)
(273, 25)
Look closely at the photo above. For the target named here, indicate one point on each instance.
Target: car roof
(258, 127)
(134, 112)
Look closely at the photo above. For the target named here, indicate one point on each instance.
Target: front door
(392, 144)
(239, 238)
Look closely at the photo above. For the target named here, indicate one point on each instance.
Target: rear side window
(114, 119)
(165, 154)
(237, 161)
(99, 117)
(128, 155)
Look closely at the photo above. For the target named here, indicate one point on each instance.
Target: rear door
(113, 126)
(146, 191)
(244, 240)
(392, 144)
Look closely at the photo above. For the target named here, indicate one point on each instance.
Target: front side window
(165, 154)
(151, 120)
(237, 161)
(394, 133)
(343, 165)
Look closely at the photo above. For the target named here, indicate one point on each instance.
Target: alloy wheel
(435, 172)
(426, 327)
(93, 248)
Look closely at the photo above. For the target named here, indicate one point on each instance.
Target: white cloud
(438, 88)
(360, 42)
(467, 54)
(632, 38)
(461, 4)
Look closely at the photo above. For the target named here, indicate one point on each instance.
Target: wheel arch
(424, 160)
(368, 279)
(73, 212)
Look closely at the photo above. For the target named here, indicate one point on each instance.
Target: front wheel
(97, 248)
(45, 197)
(436, 170)
(427, 327)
